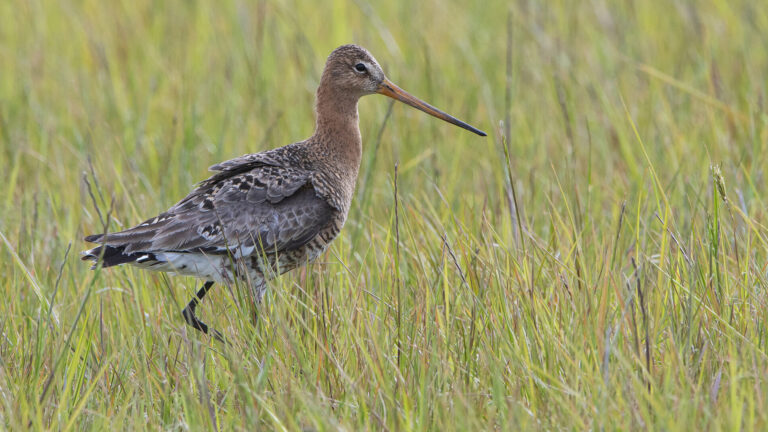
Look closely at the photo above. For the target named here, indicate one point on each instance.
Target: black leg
(191, 319)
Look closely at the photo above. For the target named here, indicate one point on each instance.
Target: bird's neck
(337, 127)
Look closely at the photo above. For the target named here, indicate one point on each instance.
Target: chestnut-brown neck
(337, 128)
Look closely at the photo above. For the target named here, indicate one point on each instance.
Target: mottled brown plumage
(266, 213)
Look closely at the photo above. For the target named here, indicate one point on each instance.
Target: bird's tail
(109, 255)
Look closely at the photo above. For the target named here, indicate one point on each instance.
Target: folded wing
(253, 206)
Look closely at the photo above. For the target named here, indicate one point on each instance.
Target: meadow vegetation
(598, 262)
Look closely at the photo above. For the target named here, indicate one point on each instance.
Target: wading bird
(266, 213)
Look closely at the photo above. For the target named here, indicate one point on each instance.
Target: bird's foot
(194, 321)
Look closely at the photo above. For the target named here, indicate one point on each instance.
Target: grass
(606, 272)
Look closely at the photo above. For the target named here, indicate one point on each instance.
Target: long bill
(387, 88)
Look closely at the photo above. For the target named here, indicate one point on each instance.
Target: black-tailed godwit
(266, 213)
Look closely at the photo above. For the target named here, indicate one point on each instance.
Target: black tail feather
(112, 255)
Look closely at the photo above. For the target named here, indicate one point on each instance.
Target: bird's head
(351, 69)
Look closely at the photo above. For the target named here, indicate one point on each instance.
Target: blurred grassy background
(630, 294)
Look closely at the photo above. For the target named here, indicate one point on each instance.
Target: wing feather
(264, 205)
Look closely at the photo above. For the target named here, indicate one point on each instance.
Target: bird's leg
(189, 313)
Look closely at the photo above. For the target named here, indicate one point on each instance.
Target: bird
(263, 214)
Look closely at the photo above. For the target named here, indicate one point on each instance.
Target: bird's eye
(360, 67)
